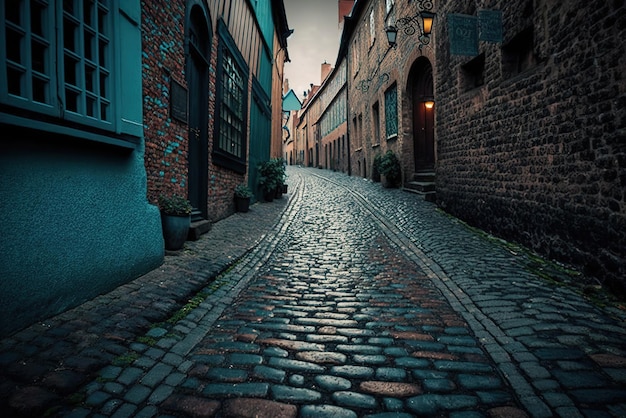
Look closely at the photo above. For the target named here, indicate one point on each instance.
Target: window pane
(102, 51)
(15, 81)
(71, 100)
(89, 40)
(391, 111)
(88, 12)
(40, 90)
(14, 45)
(103, 84)
(38, 56)
(104, 111)
(102, 21)
(37, 20)
(91, 106)
(12, 10)
(70, 29)
(90, 78)
(70, 7)
(70, 70)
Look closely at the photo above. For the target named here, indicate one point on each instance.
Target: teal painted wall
(75, 223)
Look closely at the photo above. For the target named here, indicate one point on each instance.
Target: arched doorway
(422, 95)
(198, 58)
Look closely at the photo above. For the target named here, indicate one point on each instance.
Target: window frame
(388, 116)
(21, 108)
(221, 156)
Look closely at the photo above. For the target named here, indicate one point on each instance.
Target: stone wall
(531, 133)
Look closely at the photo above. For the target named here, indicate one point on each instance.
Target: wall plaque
(490, 23)
(463, 30)
(178, 101)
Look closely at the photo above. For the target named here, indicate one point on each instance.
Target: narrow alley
(359, 301)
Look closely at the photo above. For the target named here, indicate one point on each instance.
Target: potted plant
(175, 220)
(281, 176)
(390, 168)
(242, 198)
(268, 179)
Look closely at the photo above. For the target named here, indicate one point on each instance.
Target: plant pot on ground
(272, 177)
(175, 220)
(389, 167)
(242, 198)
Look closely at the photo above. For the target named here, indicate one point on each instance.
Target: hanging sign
(490, 23)
(463, 30)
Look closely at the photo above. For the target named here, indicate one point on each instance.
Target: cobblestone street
(360, 301)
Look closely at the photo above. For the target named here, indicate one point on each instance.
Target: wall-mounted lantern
(392, 35)
(421, 23)
(429, 104)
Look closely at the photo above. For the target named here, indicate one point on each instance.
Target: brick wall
(536, 153)
(374, 68)
(163, 60)
(166, 138)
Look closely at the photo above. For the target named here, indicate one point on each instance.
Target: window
(64, 73)
(372, 28)
(389, 4)
(232, 93)
(391, 112)
(518, 55)
(376, 123)
(59, 65)
(473, 73)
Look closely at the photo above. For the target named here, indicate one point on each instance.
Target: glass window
(372, 27)
(391, 111)
(389, 5)
(232, 124)
(58, 59)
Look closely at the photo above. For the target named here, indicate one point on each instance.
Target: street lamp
(421, 22)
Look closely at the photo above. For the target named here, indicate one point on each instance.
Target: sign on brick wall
(463, 30)
(490, 25)
(178, 101)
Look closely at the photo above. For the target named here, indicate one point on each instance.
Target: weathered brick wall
(539, 156)
(166, 138)
(373, 70)
(163, 59)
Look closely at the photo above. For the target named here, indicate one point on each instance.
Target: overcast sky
(315, 39)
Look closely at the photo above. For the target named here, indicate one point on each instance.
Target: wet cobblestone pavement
(360, 301)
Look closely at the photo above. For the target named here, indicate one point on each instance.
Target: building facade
(334, 144)
(388, 87)
(213, 98)
(75, 218)
(531, 128)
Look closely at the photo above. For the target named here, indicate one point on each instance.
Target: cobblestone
(349, 300)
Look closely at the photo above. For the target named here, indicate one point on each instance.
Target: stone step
(197, 228)
(424, 176)
(421, 186)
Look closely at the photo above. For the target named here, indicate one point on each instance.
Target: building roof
(291, 101)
